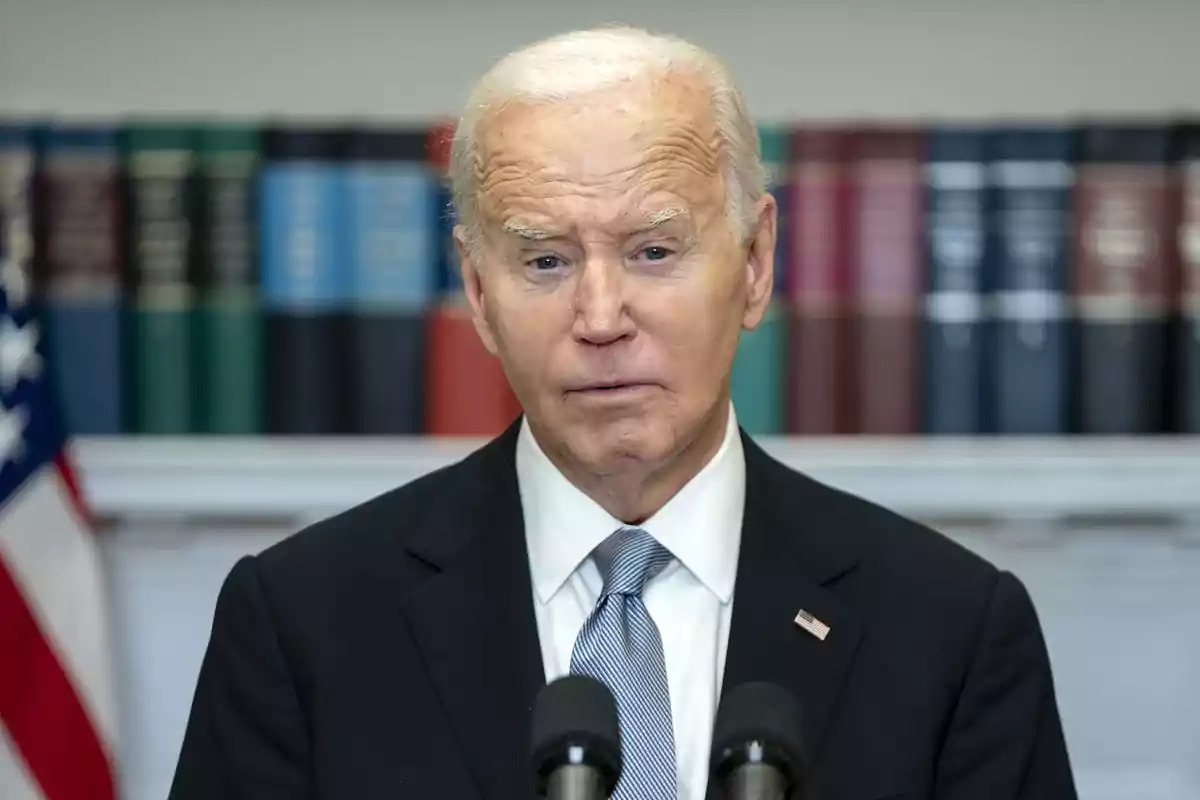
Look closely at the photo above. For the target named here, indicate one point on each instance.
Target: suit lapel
(474, 622)
(790, 559)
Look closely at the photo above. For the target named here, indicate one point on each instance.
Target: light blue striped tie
(620, 646)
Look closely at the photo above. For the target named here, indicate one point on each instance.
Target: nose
(601, 314)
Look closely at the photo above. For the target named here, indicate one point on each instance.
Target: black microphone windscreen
(763, 713)
(575, 716)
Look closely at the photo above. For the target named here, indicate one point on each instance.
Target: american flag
(57, 708)
(811, 624)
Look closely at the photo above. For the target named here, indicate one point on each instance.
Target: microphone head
(759, 723)
(575, 722)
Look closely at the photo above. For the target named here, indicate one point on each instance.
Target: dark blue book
(953, 359)
(80, 272)
(392, 257)
(1124, 275)
(305, 281)
(1032, 180)
(448, 284)
(1189, 246)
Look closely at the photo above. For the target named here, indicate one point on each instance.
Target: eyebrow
(534, 234)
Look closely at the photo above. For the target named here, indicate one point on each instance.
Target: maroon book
(886, 279)
(818, 332)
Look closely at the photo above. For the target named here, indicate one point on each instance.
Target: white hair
(565, 67)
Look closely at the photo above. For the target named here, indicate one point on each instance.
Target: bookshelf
(294, 480)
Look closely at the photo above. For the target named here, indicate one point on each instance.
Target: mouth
(614, 388)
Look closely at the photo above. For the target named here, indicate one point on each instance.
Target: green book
(773, 144)
(158, 160)
(229, 322)
(757, 382)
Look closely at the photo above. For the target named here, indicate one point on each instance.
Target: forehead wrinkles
(658, 155)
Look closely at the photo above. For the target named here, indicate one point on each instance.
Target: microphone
(758, 747)
(576, 740)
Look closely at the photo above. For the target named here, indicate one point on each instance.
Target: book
(159, 159)
(954, 351)
(886, 278)
(392, 260)
(17, 162)
(79, 270)
(818, 347)
(757, 381)
(229, 354)
(468, 393)
(1189, 250)
(438, 146)
(305, 281)
(1031, 179)
(1123, 262)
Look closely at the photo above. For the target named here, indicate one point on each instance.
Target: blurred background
(231, 221)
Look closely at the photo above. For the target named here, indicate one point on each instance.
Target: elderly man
(615, 239)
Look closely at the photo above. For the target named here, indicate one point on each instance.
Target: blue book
(955, 242)
(305, 281)
(392, 258)
(79, 262)
(1032, 181)
(1188, 332)
(449, 275)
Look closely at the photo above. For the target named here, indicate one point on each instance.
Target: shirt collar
(701, 525)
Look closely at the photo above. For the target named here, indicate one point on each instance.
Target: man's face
(609, 281)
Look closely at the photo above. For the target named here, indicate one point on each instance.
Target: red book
(886, 279)
(467, 391)
(818, 333)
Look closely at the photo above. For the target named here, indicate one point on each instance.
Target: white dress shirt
(690, 600)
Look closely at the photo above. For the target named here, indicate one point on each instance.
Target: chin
(607, 447)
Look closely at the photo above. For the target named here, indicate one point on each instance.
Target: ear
(469, 259)
(760, 262)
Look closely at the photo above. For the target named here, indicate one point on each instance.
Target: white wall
(796, 58)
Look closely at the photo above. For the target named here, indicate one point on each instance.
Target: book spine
(79, 271)
(17, 163)
(819, 371)
(229, 320)
(468, 393)
(305, 282)
(1123, 273)
(1032, 177)
(438, 146)
(955, 245)
(159, 162)
(393, 254)
(759, 368)
(1189, 249)
(886, 279)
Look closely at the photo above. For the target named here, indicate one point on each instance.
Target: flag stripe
(66, 473)
(15, 779)
(44, 717)
(55, 561)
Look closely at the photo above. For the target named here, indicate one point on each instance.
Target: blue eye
(545, 262)
(656, 252)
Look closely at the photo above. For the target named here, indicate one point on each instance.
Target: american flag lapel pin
(811, 624)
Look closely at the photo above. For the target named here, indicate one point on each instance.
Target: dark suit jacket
(391, 651)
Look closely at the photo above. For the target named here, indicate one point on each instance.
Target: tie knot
(628, 559)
